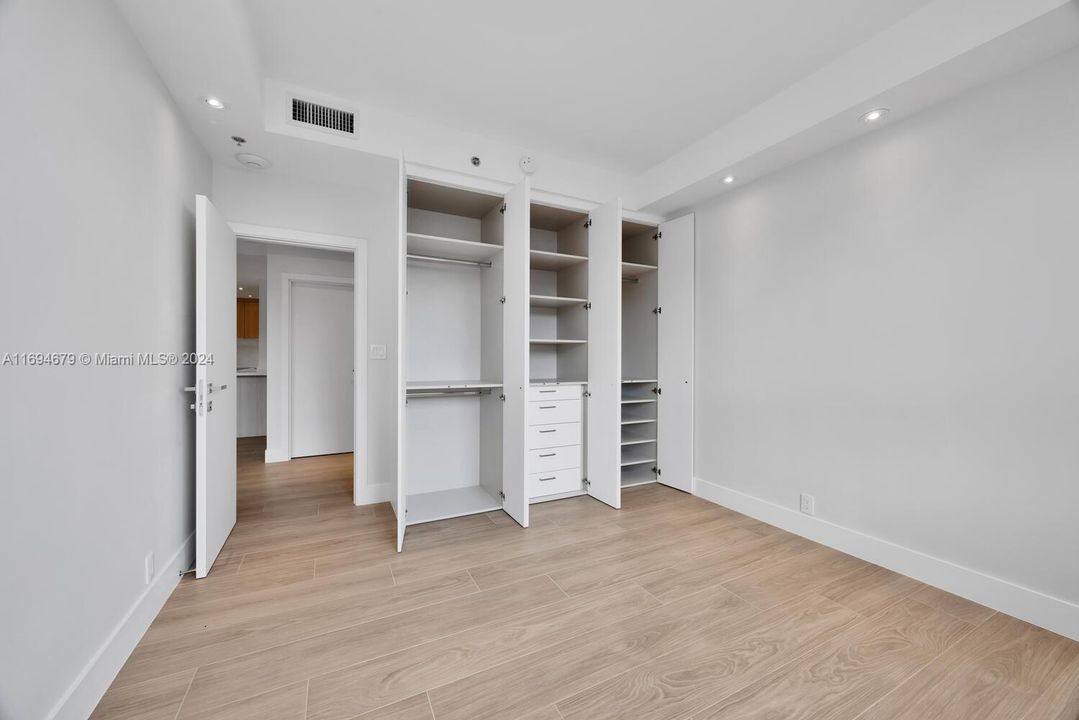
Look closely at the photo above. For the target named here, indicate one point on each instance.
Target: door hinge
(502, 397)
(657, 236)
(657, 311)
(588, 305)
(587, 394)
(584, 481)
(657, 471)
(501, 494)
(588, 223)
(502, 299)
(502, 209)
(657, 390)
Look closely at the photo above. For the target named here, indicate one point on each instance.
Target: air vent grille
(323, 116)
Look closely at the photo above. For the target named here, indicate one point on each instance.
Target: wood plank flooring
(670, 608)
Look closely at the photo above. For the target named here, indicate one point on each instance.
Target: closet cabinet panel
(398, 498)
(675, 333)
(604, 353)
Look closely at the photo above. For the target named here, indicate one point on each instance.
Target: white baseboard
(369, 494)
(84, 694)
(1059, 616)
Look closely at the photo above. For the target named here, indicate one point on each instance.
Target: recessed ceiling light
(215, 102)
(252, 161)
(729, 179)
(875, 115)
(241, 288)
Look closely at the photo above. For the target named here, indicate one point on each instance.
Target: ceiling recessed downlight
(729, 179)
(215, 102)
(875, 115)
(252, 161)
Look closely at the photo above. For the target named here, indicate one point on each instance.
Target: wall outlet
(808, 504)
(149, 568)
(378, 352)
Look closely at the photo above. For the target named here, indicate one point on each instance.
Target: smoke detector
(527, 163)
(252, 161)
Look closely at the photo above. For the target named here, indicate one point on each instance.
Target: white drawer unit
(560, 458)
(557, 435)
(554, 482)
(554, 392)
(547, 412)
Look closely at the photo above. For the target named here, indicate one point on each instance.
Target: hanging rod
(446, 394)
(452, 261)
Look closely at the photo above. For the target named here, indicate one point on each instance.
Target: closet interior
(453, 356)
(640, 395)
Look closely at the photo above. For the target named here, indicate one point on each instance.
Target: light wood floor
(671, 608)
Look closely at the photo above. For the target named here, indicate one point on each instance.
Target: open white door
(402, 296)
(604, 414)
(675, 407)
(215, 392)
(515, 351)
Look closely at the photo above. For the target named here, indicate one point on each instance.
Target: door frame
(363, 492)
(288, 282)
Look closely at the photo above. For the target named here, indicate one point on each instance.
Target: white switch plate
(378, 352)
(149, 568)
(808, 504)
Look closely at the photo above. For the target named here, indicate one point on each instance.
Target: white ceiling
(621, 84)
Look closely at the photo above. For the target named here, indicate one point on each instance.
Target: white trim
(298, 238)
(288, 281)
(1055, 614)
(97, 675)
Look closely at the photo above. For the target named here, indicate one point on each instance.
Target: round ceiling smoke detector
(252, 161)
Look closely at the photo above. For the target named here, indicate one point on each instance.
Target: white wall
(892, 327)
(279, 262)
(97, 192)
(365, 208)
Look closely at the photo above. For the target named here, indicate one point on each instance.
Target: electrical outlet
(149, 568)
(808, 504)
(378, 352)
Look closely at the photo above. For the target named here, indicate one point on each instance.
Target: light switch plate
(378, 352)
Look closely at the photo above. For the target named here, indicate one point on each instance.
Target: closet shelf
(637, 441)
(639, 381)
(544, 260)
(637, 401)
(556, 381)
(444, 504)
(420, 385)
(634, 481)
(631, 461)
(556, 341)
(632, 270)
(639, 422)
(551, 301)
(445, 248)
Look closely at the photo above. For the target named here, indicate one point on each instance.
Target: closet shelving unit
(454, 341)
(640, 354)
(558, 295)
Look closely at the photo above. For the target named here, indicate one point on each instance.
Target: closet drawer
(559, 435)
(554, 392)
(560, 458)
(546, 412)
(553, 483)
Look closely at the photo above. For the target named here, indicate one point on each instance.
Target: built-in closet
(537, 358)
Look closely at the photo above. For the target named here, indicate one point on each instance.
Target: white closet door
(402, 491)
(604, 415)
(515, 351)
(675, 409)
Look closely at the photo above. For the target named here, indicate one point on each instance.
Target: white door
(399, 498)
(215, 384)
(321, 369)
(604, 415)
(675, 409)
(515, 350)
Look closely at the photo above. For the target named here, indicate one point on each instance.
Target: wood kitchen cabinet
(247, 318)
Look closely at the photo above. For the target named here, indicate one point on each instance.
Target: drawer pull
(548, 478)
(548, 454)
(547, 431)
(548, 391)
(547, 407)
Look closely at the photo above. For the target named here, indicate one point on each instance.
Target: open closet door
(516, 244)
(675, 407)
(603, 409)
(399, 499)
(215, 392)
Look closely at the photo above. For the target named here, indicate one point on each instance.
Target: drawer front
(558, 435)
(553, 483)
(560, 458)
(554, 392)
(547, 412)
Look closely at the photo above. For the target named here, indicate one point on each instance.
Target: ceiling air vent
(323, 116)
